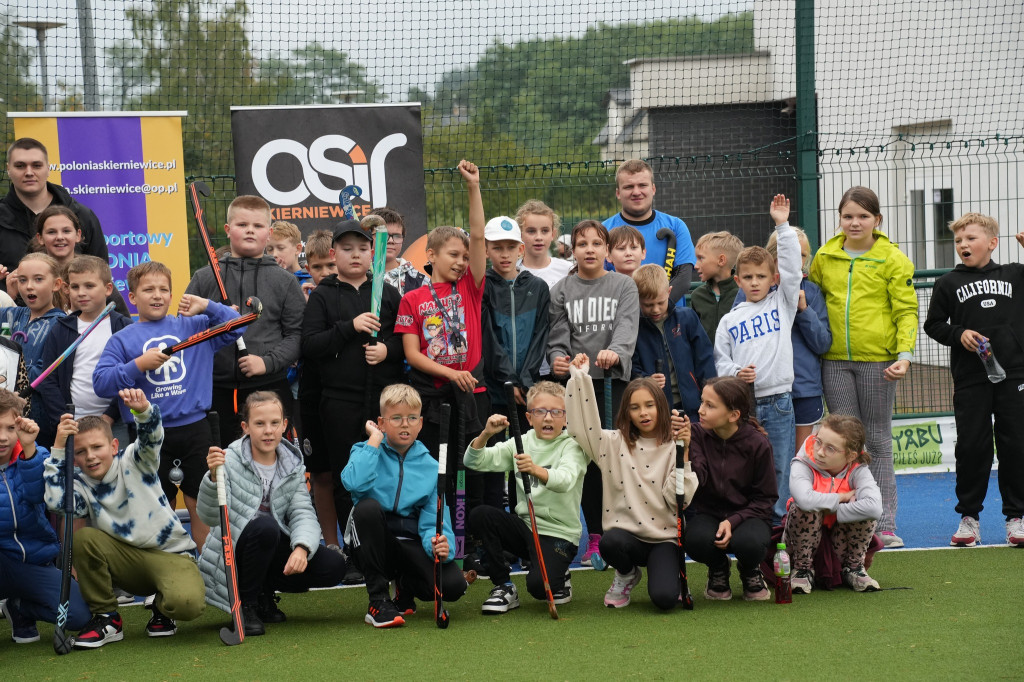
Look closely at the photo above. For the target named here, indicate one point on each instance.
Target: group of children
(744, 407)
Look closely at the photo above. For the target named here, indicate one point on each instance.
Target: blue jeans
(775, 412)
(38, 589)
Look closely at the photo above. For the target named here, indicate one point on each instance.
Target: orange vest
(827, 484)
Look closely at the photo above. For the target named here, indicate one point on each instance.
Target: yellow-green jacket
(872, 305)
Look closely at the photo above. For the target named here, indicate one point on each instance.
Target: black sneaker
(564, 595)
(382, 614)
(251, 620)
(100, 630)
(718, 583)
(353, 576)
(160, 625)
(503, 598)
(266, 608)
(404, 602)
(754, 587)
(23, 630)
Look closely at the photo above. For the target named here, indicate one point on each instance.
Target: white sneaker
(503, 598)
(1015, 532)
(617, 595)
(890, 539)
(858, 580)
(968, 534)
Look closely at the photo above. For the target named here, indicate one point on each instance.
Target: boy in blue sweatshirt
(393, 481)
(29, 580)
(181, 384)
(674, 338)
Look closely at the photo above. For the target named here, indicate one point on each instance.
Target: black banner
(299, 158)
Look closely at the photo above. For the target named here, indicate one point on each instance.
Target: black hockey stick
(513, 420)
(440, 614)
(667, 234)
(229, 636)
(682, 457)
(62, 642)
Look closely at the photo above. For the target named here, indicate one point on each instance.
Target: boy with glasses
(398, 272)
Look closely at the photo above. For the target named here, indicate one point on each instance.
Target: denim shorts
(808, 411)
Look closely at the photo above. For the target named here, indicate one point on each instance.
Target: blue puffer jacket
(515, 331)
(692, 355)
(25, 533)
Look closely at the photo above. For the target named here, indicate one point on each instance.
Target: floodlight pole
(87, 41)
(41, 27)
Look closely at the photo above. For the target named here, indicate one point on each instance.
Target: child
(440, 322)
(556, 466)
(594, 311)
(673, 337)
(29, 580)
(754, 340)
(833, 491)
(733, 510)
(335, 335)
(320, 263)
(638, 469)
(393, 480)
(275, 531)
(716, 258)
(134, 540)
(626, 250)
(285, 247)
(89, 285)
(811, 338)
(272, 343)
(971, 304)
(399, 273)
(539, 227)
(872, 309)
(181, 384)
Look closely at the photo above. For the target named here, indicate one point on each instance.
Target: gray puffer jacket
(290, 505)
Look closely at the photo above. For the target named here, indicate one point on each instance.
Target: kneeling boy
(135, 540)
(393, 481)
(556, 465)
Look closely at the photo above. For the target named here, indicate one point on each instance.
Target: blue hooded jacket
(691, 351)
(515, 330)
(25, 532)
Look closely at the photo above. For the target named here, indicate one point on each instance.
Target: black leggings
(625, 551)
(749, 542)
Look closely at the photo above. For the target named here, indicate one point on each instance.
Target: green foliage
(316, 74)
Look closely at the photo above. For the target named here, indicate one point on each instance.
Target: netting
(919, 102)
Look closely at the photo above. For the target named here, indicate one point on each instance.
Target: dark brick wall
(721, 166)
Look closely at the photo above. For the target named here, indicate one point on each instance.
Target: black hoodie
(330, 340)
(983, 300)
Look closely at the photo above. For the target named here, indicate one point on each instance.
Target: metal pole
(806, 123)
(41, 39)
(87, 41)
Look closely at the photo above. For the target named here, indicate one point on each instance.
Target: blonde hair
(11, 402)
(538, 207)
(651, 281)
(400, 394)
(59, 299)
(631, 167)
(545, 388)
(141, 270)
(721, 242)
(258, 398)
(248, 202)
(82, 264)
(440, 235)
(772, 246)
(281, 229)
(987, 223)
(319, 244)
(755, 255)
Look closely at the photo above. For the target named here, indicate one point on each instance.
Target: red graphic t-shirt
(452, 339)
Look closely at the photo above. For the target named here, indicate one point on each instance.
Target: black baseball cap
(346, 226)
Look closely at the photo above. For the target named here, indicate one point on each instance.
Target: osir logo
(369, 174)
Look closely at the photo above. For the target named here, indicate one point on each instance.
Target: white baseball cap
(502, 229)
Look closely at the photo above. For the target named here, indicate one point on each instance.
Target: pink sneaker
(593, 550)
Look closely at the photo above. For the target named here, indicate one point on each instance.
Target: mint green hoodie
(557, 502)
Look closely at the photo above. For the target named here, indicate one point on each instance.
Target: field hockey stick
(682, 459)
(513, 420)
(27, 391)
(460, 488)
(229, 636)
(62, 642)
(194, 190)
(345, 199)
(375, 226)
(667, 234)
(607, 401)
(222, 328)
(440, 614)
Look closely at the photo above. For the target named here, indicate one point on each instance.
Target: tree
(17, 93)
(316, 74)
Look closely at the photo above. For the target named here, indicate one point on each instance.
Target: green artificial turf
(960, 619)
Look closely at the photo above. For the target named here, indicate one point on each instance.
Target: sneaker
(754, 587)
(100, 630)
(1015, 532)
(251, 620)
(592, 549)
(503, 598)
(123, 597)
(718, 583)
(564, 595)
(858, 580)
(890, 539)
(968, 533)
(160, 625)
(266, 608)
(404, 603)
(382, 614)
(23, 630)
(617, 595)
(353, 576)
(802, 581)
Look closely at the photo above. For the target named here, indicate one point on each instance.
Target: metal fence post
(806, 123)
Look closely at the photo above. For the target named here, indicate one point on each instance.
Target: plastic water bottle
(995, 371)
(783, 586)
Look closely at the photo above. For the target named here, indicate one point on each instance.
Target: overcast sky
(403, 43)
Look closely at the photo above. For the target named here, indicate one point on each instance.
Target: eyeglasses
(395, 237)
(540, 413)
(830, 450)
(397, 420)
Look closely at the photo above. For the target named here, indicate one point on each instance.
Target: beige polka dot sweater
(639, 484)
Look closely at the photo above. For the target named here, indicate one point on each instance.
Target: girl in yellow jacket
(868, 285)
